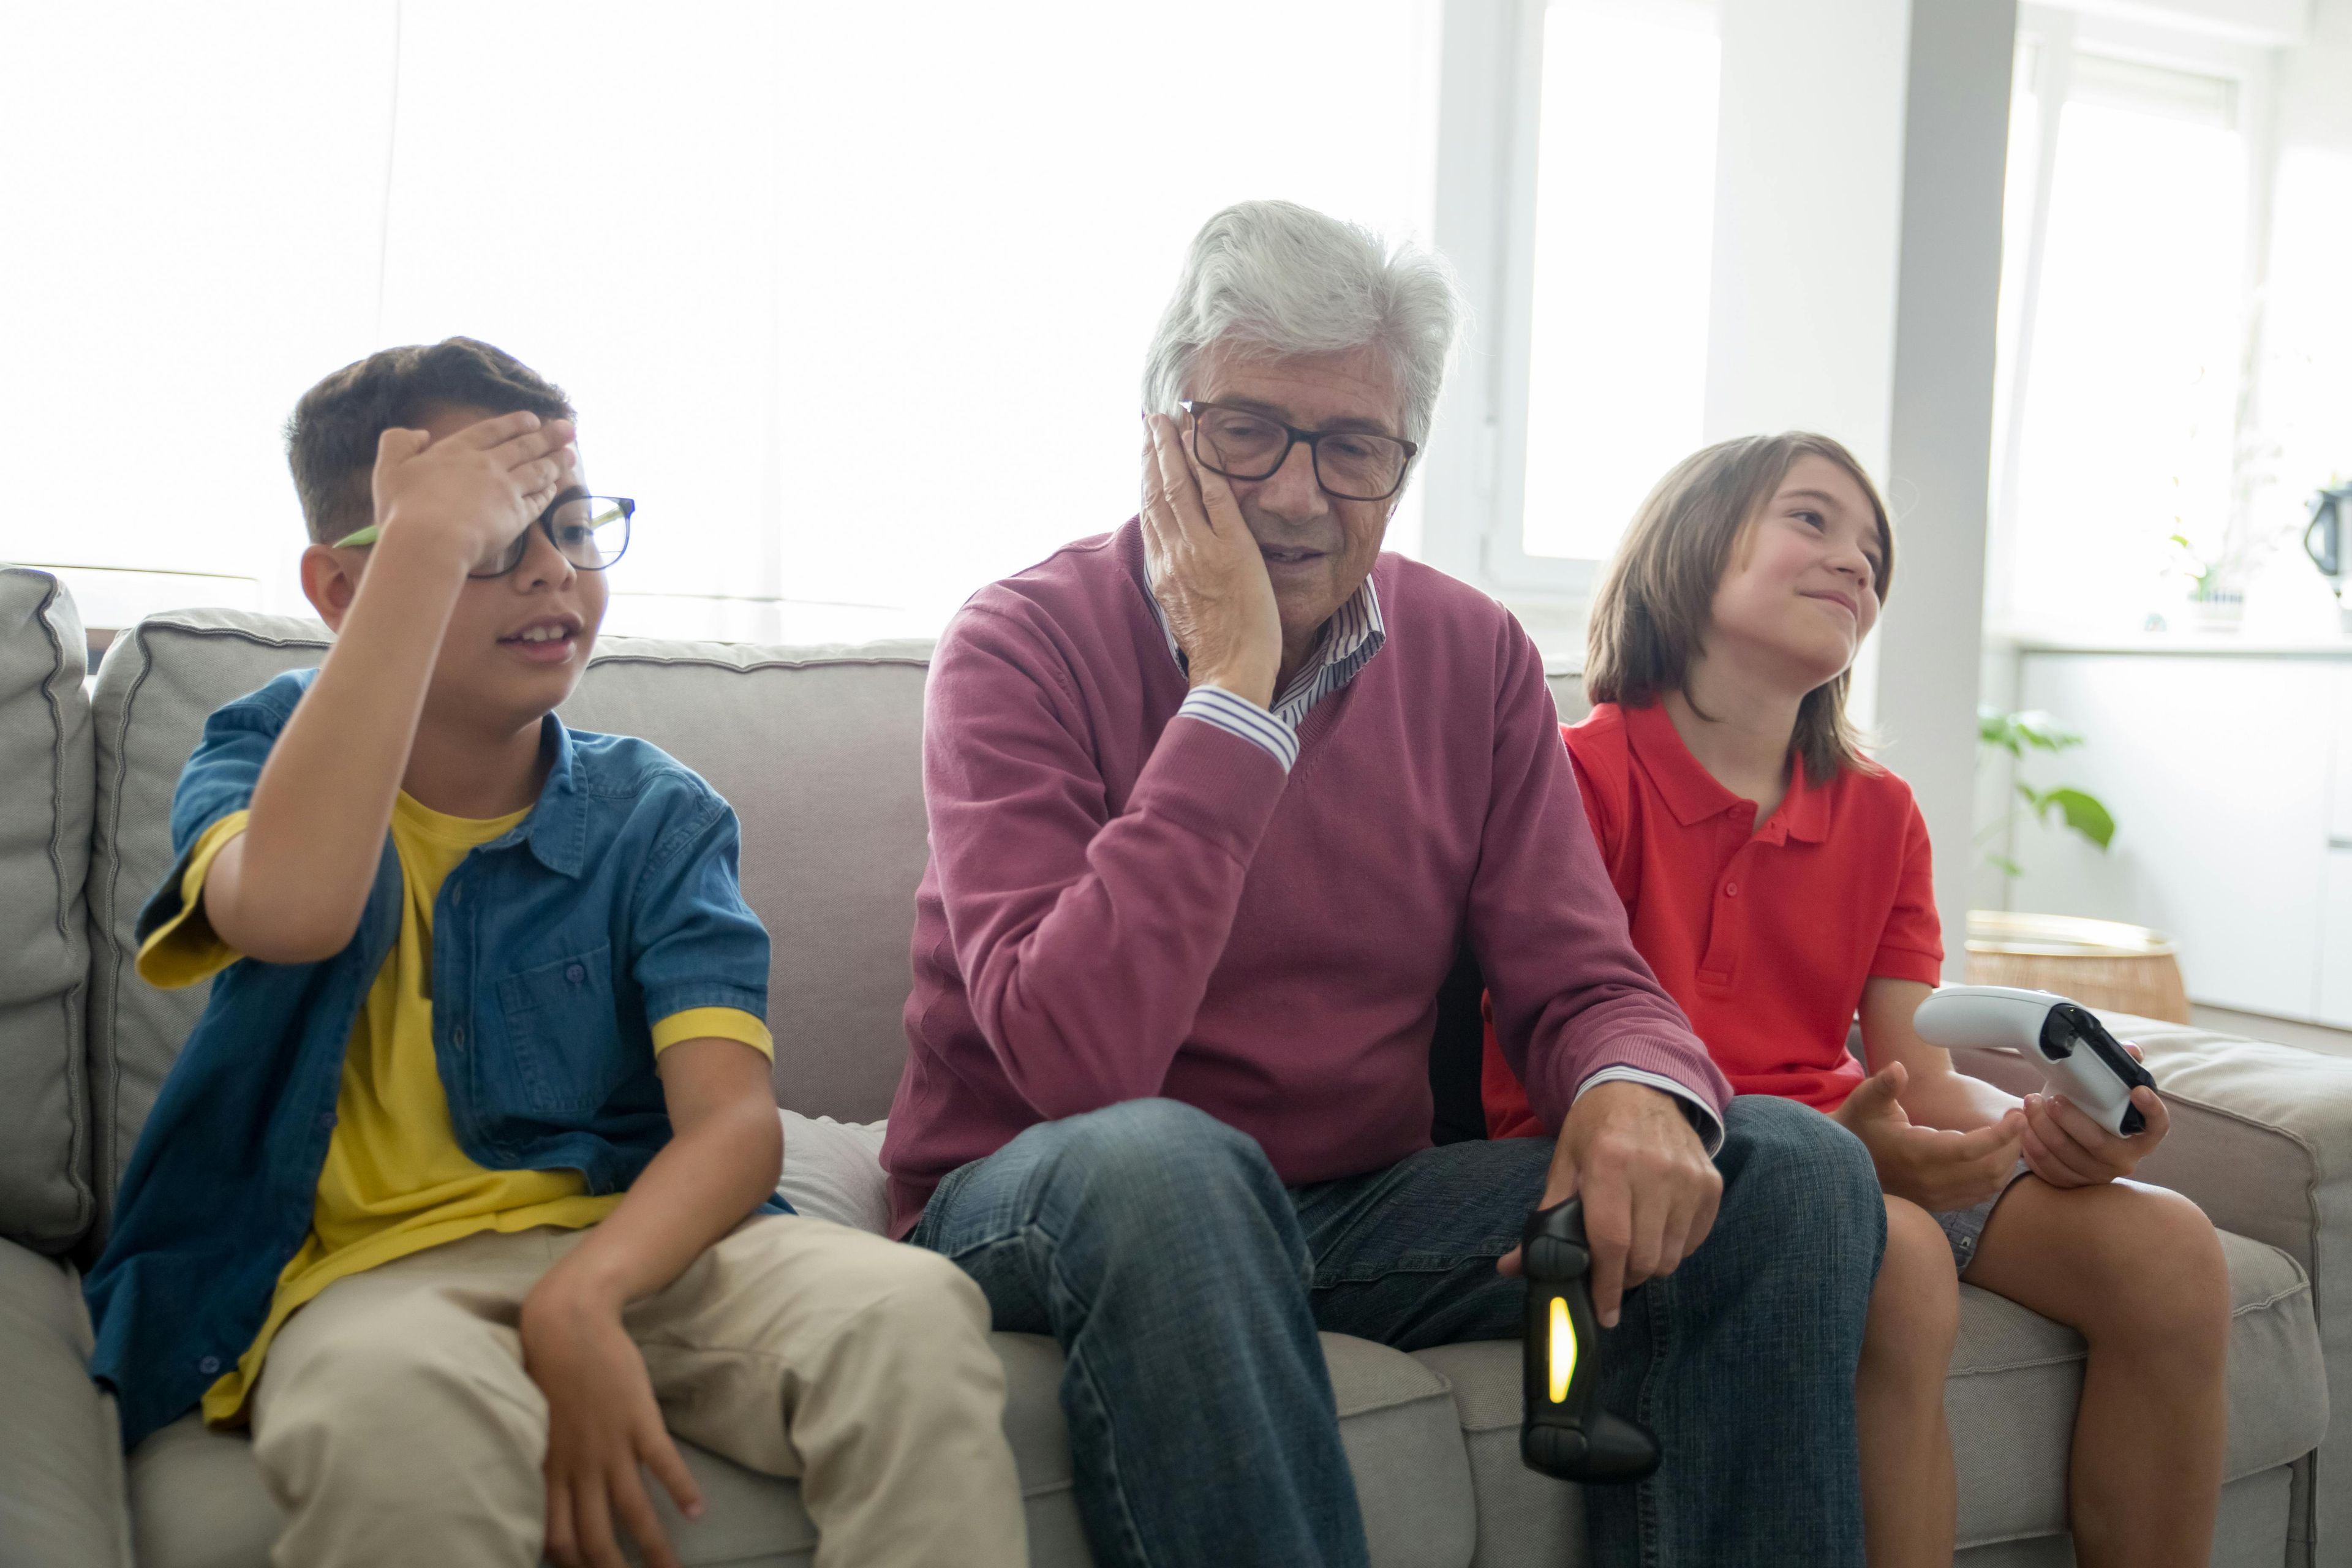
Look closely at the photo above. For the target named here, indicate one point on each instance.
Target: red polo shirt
(1764, 935)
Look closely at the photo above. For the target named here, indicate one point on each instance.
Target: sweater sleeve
(1085, 938)
(1571, 997)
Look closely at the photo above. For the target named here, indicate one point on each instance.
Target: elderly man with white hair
(1215, 800)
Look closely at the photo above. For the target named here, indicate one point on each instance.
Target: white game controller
(2078, 1056)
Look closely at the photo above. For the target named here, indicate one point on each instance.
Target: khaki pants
(394, 1422)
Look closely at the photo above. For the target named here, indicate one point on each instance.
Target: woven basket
(2104, 964)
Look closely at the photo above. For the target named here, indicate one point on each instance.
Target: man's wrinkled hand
(1940, 1171)
(1650, 1191)
(468, 494)
(1206, 571)
(603, 1426)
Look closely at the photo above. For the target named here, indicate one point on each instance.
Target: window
(2126, 287)
(804, 269)
(1624, 220)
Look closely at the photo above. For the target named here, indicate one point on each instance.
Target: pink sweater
(1120, 906)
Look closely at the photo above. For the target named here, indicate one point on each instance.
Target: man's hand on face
(467, 495)
(603, 1424)
(1206, 571)
(1939, 1171)
(1650, 1191)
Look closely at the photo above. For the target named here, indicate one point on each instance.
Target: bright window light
(1625, 223)
(2306, 391)
(2129, 428)
(817, 277)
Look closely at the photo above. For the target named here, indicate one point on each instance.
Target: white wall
(1808, 185)
(1939, 466)
(1858, 264)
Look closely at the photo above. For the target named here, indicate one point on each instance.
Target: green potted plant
(2078, 810)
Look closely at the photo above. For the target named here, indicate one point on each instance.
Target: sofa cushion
(820, 751)
(197, 1499)
(46, 788)
(2010, 1401)
(833, 1170)
(60, 1451)
(817, 748)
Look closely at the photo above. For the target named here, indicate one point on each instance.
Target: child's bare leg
(1909, 1505)
(2138, 1272)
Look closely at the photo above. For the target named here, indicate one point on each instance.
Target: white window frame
(2058, 34)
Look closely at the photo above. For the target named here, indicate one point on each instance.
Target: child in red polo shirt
(1778, 884)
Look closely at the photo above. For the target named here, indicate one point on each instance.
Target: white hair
(1277, 279)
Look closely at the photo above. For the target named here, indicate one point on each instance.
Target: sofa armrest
(61, 1495)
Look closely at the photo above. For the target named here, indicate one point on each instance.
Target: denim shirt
(555, 948)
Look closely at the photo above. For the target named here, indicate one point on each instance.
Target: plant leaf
(2084, 812)
(2045, 732)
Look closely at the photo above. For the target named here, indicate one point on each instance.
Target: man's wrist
(1698, 1113)
(1241, 680)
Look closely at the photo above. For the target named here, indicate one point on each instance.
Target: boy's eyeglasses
(590, 531)
(1351, 465)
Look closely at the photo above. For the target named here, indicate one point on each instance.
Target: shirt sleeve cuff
(1702, 1115)
(185, 949)
(714, 1023)
(1908, 963)
(1240, 716)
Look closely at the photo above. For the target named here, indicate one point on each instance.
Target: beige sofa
(817, 748)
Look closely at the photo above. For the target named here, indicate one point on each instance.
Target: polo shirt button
(575, 973)
(457, 1036)
(1731, 889)
(326, 1118)
(209, 1366)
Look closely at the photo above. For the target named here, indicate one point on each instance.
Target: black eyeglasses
(1351, 465)
(589, 532)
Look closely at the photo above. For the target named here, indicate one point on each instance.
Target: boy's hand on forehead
(468, 494)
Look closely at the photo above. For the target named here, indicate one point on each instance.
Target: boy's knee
(917, 1292)
(2161, 1270)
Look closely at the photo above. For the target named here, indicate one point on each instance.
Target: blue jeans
(1185, 1285)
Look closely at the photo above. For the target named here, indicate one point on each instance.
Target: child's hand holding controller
(2068, 1149)
(1940, 1171)
(467, 496)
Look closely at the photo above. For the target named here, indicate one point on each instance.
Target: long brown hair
(1651, 613)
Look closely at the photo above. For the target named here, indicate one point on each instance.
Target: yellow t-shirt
(395, 1181)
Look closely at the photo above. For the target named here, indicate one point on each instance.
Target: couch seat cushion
(197, 1499)
(2010, 1401)
(2016, 1378)
(60, 1452)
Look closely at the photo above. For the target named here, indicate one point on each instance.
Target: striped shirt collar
(1350, 637)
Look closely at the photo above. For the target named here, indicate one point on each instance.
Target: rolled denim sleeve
(218, 783)
(695, 942)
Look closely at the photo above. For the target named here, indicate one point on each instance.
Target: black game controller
(1564, 1432)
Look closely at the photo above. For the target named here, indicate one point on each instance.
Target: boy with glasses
(451, 1193)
